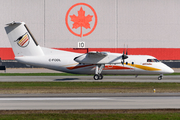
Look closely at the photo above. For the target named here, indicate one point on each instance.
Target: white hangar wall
(138, 23)
(29, 11)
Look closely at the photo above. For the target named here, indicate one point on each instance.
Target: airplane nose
(169, 70)
(166, 69)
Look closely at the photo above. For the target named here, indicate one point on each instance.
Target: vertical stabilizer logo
(81, 19)
(23, 40)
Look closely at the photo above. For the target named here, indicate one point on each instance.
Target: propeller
(124, 56)
(127, 50)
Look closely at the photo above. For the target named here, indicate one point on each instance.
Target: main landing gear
(160, 77)
(98, 75)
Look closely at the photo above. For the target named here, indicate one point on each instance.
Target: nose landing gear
(160, 77)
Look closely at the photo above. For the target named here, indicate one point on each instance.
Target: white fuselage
(64, 61)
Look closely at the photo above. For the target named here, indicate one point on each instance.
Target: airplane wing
(97, 54)
(99, 58)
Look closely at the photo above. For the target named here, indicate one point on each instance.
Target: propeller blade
(127, 50)
(124, 49)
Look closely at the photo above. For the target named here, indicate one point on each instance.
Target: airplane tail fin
(22, 41)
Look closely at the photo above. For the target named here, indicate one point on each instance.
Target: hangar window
(152, 60)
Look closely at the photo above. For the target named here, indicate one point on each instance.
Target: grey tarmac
(170, 78)
(82, 101)
(75, 103)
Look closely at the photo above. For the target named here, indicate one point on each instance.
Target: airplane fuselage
(64, 61)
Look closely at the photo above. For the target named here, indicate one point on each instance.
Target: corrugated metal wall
(138, 23)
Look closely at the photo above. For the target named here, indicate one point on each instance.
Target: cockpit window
(156, 60)
(152, 60)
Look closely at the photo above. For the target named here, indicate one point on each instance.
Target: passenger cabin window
(152, 60)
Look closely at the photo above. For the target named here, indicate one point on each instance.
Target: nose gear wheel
(160, 77)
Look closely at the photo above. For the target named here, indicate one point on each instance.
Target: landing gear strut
(160, 77)
(98, 75)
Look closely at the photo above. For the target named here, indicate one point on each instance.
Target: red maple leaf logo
(81, 20)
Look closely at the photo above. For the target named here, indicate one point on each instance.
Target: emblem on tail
(23, 40)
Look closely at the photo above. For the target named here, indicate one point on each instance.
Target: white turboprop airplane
(27, 51)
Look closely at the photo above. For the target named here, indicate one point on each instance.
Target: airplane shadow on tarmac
(66, 79)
